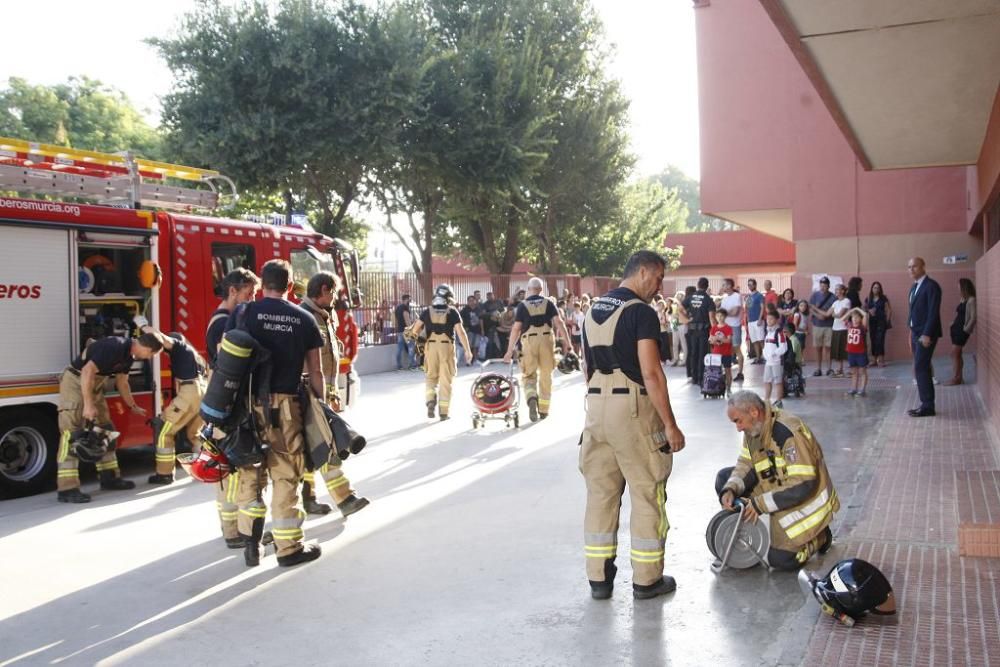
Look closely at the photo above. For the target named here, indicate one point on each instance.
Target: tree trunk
(511, 240)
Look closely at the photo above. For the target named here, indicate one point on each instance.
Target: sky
(47, 42)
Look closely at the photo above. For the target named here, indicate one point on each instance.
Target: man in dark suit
(925, 329)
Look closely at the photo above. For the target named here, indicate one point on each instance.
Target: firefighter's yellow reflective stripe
(801, 471)
(744, 453)
(661, 506)
(255, 512)
(806, 510)
(63, 447)
(234, 480)
(765, 464)
(600, 552)
(336, 483)
(658, 552)
(163, 452)
(646, 559)
(107, 465)
(814, 514)
(236, 350)
(67, 473)
(291, 534)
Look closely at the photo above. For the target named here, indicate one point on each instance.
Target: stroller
(713, 383)
(495, 396)
(794, 382)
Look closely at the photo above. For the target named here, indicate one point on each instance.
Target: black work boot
(309, 503)
(75, 496)
(601, 590)
(430, 408)
(251, 543)
(827, 537)
(662, 587)
(533, 409)
(306, 554)
(160, 480)
(112, 482)
(352, 504)
(237, 542)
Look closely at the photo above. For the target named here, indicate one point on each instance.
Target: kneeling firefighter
(442, 322)
(321, 291)
(781, 473)
(82, 406)
(181, 416)
(535, 319)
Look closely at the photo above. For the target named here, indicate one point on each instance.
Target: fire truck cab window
(225, 258)
(307, 262)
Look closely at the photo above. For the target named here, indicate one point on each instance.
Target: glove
(139, 321)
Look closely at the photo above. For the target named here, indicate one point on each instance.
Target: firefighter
(238, 286)
(348, 382)
(630, 434)
(534, 321)
(183, 413)
(81, 400)
(780, 472)
(700, 307)
(320, 294)
(291, 336)
(443, 323)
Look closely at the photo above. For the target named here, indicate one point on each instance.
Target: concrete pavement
(471, 553)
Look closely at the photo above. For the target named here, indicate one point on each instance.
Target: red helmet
(209, 465)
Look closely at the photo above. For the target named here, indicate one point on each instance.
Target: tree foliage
(81, 113)
(689, 191)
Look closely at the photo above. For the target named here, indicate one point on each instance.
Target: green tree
(689, 191)
(81, 113)
(647, 213)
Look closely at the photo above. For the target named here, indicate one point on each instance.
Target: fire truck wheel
(28, 444)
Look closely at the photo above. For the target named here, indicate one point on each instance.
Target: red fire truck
(72, 272)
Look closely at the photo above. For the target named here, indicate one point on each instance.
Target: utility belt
(538, 333)
(616, 390)
(181, 383)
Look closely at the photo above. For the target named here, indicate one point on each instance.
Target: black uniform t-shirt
(524, 317)
(700, 307)
(398, 312)
(111, 355)
(183, 360)
(213, 336)
(638, 322)
(449, 326)
(287, 331)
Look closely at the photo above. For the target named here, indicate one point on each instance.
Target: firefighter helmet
(569, 363)
(93, 443)
(445, 292)
(851, 589)
(209, 465)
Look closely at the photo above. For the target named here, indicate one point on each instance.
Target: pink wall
(768, 141)
(740, 248)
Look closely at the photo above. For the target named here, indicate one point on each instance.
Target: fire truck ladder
(118, 179)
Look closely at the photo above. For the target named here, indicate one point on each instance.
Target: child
(721, 339)
(794, 344)
(775, 347)
(857, 356)
(800, 318)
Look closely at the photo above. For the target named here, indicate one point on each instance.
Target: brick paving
(904, 517)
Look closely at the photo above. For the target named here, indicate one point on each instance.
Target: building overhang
(910, 83)
(773, 221)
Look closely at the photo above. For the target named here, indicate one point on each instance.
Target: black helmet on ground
(850, 590)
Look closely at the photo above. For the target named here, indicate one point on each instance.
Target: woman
(679, 326)
(961, 328)
(854, 286)
(879, 321)
(787, 306)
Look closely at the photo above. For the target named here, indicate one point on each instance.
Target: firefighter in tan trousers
(534, 321)
(781, 473)
(291, 336)
(630, 434)
(81, 400)
(238, 286)
(321, 291)
(442, 322)
(184, 411)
